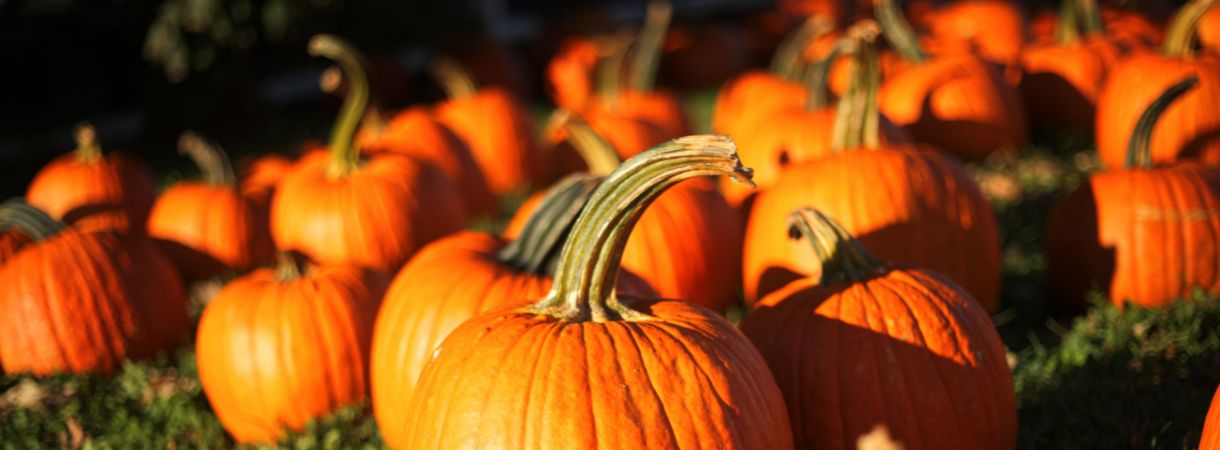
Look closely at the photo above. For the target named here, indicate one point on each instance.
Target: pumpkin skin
(275, 353)
(1061, 82)
(499, 132)
(911, 205)
(1211, 427)
(753, 92)
(260, 176)
(207, 229)
(1209, 31)
(11, 242)
(89, 189)
(84, 301)
(570, 73)
(919, 357)
(995, 29)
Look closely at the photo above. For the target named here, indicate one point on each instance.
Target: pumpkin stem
(842, 257)
(1088, 16)
(1066, 29)
(344, 156)
(536, 249)
(454, 79)
(899, 32)
(816, 77)
(857, 119)
(610, 69)
(589, 263)
(288, 266)
(598, 154)
(1139, 151)
(211, 160)
(1180, 35)
(87, 148)
(787, 57)
(38, 225)
(648, 46)
(331, 81)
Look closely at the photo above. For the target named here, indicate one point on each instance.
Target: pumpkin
(89, 189)
(1062, 79)
(687, 245)
(570, 72)
(84, 300)
(208, 226)
(1191, 127)
(588, 367)
(494, 124)
(277, 348)
(955, 101)
(994, 29)
(459, 277)
(258, 177)
(867, 343)
(339, 208)
(905, 203)
(1209, 31)
(1211, 427)
(1145, 234)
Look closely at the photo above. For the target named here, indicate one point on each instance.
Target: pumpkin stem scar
(593, 149)
(536, 249)
(331, 81)
(857, 120)
(1139, 147)
(1180, 35)
(788, 56)
(899, 32)
(648, 46)
(588, 265)
(843, 259)
(38, 225)
(87, 148)
(345, 157)
(212, 161)
(453, 78)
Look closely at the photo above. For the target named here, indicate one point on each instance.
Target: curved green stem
(1180, 35)
(816, 78)
(598, 154)
(1088, 15)
(843, 258)
(212, 161)
(453, 78)
(87, 149)
(610, 70)
(38, 225)
(588, 266)
(857, 119)
(899, 32)
(331, 82)
(1139, 148)
(648, 46)
(788, 55)
(1066, 30)
(344, 156)
(536, 249)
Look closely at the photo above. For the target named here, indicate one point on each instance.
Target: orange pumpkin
(208, 226)
(571, 72)
(277, 349)
(457, 278)
(955, 101)
(340, 209)
(78, 300)
(918, 352)
(1145, 234)
(1209, 31)
(908, 204)
(1211, 427)
(88, 189)
(994, 29)
(1191, 128)
(259, 177)
(588, 367)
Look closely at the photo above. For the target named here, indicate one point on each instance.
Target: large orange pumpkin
(89, 189)
(1191, 127)
(277, 348)
(588, 367)
(1146, 234)
(209, 226)
(908, 204)
(955, 101)
(338, 208)
(867, 344)
(457, 278)
(79, 300)
(1211, 426)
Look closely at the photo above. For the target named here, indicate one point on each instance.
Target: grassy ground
(1109, 379)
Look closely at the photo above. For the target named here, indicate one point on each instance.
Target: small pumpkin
(84, 300)
(867, 343)
(207, 227)
(1145, 234)
(90, 189)
(339, 208)
(1191, 127)
(588, 367)
(1211, 426)
(457, 278)
(277, 348)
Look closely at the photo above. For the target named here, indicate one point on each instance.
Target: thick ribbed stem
(344, 156)
(1180, 35)
(857, 119)
(816, 78)
(453, 78)
(1139, 148)
(899, 32)
(598, 154)
(843, 259)
(331, 82)
(588, 266)
(788, 55)
(87, 149)
(536, 249)
(648, 46)
(33, 222)
(1066, 29)
(1088, 15)
(212, 161)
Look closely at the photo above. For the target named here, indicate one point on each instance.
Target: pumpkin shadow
(1053, 103)
(1205, 146)
(193, 265)
(1075, 261)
